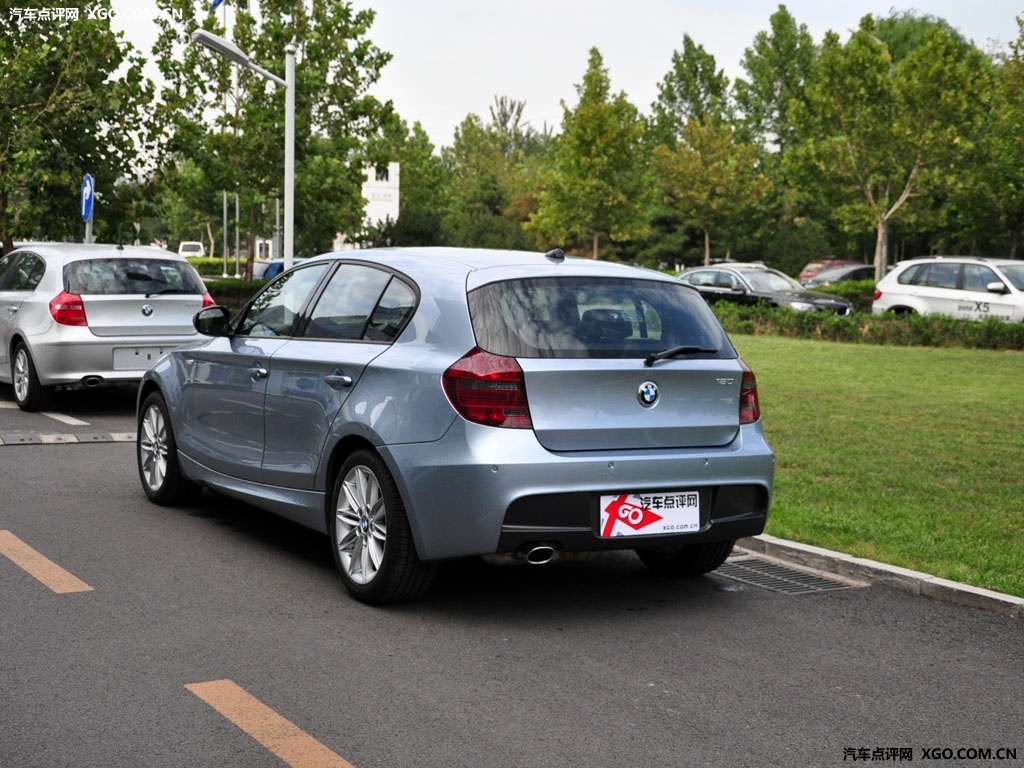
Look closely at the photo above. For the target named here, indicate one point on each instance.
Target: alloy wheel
(153, 448)
(361, 525)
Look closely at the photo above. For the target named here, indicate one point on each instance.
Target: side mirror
(996, 287)
(212, 321)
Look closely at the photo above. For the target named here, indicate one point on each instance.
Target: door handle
(337, 379)
(258, 372)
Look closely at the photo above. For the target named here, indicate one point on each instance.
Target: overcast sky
(453, 57)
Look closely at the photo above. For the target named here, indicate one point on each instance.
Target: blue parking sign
(88, 193)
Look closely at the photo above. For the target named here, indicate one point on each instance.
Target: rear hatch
(585, 345)
(582, 405)
(134, 296)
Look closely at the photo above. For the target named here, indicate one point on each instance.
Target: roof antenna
(555, 254)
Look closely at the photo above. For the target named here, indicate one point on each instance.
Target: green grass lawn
(911, 456)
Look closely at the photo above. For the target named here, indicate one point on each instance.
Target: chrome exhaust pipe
(92, 381)
(537, 554)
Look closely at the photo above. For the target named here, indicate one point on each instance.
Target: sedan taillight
(68, 309)
(488, 389)
(750, 407)
(208, 301)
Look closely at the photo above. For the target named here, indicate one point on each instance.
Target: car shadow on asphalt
(494, 587)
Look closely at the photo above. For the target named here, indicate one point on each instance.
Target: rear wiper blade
(685, 349)
(163, 291)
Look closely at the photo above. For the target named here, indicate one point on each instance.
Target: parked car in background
(813, 268)
(265, 270)
(191, 248)
(846, 273)
(960, 286)
(423, 404)
(77, 315)
(742, 283)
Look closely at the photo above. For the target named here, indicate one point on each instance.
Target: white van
(191, 248)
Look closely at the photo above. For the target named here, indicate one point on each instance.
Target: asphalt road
(217, 635)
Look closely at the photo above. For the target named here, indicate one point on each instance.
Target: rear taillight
(208, 300)
(68, 309)
(750, 408)
(488, 389)
(878, 294)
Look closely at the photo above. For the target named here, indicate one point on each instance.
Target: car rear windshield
(593, 317)
(128, 275)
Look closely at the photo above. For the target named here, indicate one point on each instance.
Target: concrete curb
(903, 579)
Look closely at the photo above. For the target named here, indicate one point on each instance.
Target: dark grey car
(742, 283)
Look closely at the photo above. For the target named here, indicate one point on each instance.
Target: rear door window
(592, 317)
(22, 273)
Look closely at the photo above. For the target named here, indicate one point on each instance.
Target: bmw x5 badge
(147, 310)
(647, 394)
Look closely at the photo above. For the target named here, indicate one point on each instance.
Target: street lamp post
(233, 53)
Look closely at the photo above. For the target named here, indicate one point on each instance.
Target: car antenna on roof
(555, 254)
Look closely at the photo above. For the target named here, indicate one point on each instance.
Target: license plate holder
(650, 514)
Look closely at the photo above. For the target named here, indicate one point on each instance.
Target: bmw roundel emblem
(647, 394)
(147, 310)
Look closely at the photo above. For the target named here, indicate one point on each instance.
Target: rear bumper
(481, 490)
(92, 360)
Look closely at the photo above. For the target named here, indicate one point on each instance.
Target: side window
(25, 273)
(6, 267)
(977, 277)
(273, 312)
(911, 275)
(344, 308)
(703, 278)
(727, 280)
(942, 275)
(392, 312)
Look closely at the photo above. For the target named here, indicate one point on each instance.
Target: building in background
(381, 192)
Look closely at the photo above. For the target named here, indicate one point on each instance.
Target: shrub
(863, 328)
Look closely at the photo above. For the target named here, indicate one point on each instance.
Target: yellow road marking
(46, 571)
(282, 737)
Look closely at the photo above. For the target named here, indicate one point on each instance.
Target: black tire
(157, 456)
(686, 561)
(29, 394)
(370, 535)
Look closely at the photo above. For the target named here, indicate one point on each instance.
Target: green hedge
(864, 328)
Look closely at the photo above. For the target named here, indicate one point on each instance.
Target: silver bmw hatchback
(74, 315)
(425, 404)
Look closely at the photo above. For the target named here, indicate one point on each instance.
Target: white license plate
(643, 514)
(136, 358)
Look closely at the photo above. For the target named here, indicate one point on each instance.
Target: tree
(481, 168)
(596, 184)
(779, 65)
(708, 177)
(335, 115)
(876, 134)
(424, 179)
(694, 89)
(989, 204)
(67, 86)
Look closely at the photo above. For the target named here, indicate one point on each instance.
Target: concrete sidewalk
(879, 573)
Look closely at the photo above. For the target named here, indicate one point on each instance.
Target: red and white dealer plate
(644, 514)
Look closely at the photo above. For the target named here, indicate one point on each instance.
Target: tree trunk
(707, 247)
(881, 248)
(594, 253)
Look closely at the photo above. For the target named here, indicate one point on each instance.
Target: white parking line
(71, 420)
(8, 405)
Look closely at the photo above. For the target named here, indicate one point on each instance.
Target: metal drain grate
(777, 577)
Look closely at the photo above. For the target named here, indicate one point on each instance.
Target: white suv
(961, 286)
